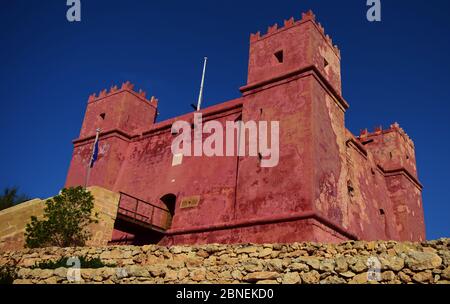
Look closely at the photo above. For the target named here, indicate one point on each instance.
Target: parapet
(126, 86)
(395, 127)
(289, 23)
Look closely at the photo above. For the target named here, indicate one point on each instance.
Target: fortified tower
(328, 185)
(394, 153)
(294, 78)
(120, 114)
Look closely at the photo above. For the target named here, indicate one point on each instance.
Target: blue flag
(94, 153)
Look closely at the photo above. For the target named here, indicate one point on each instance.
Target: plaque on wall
(190, 202)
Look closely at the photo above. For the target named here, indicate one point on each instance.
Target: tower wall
(112, 154)
(302, 92)
(394, 152)
(287, 187)
(149, 174)
(119, 109)
(371, 214)
(296, 46)
(406, 198)
(392, 148)
(120, 114)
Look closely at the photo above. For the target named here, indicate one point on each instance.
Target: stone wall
(306, 263)
(14, 220)
(105, 203)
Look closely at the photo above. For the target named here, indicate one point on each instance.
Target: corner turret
(121, 109)
(392, 148)
(296, 46)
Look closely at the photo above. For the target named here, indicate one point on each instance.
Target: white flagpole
(88, 173)
(200, 96)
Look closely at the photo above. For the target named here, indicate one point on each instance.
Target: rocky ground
(352, 262)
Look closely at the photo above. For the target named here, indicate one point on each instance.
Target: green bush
(85, 262)
(66, 220)
(7, 274)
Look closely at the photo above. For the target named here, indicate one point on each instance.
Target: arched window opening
(169, 200)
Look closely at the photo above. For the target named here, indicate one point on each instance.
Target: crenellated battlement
(126, 86)
(289, 23)
(395, 127)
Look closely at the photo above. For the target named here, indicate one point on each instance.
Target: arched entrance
(169, 200)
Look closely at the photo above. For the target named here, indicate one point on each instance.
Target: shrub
(66, 220)
(85, 262)
(7, 274)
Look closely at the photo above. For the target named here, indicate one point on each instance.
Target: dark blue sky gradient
(395, 70)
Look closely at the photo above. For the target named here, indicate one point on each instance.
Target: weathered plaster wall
(300, 263)
(303, 43)
(149, 175)
(286, 188)
(406, 200)
(370, 209)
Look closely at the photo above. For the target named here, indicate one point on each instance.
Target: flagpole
(200, 96)
(89, 167)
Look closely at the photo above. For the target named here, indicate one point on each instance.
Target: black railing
(147, 218)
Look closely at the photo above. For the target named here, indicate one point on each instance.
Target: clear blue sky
(395, 70)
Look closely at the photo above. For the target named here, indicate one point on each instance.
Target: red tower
(328, 185)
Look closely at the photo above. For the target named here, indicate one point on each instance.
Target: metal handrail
(135, 215)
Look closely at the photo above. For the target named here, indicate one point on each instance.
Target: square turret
(298, 45)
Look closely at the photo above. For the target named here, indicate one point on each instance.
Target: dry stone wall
(302, 263)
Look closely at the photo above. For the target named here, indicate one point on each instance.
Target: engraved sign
(190, 202)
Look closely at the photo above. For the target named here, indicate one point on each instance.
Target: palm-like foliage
(11, 197)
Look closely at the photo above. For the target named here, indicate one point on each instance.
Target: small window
(373, 171)
(103, 116)
(279, 56)
(325, 63)
(350, 189)
(382, 212)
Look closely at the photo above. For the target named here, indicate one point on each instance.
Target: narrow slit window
(350, 189)
(325, 63)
